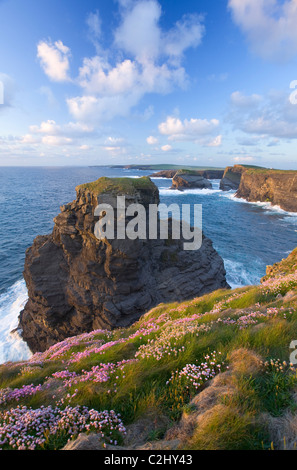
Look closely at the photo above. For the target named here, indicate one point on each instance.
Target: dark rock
(164, 174)
(190, 180)
(77, 283)
(232, 177)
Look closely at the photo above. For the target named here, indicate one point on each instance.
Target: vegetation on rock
(210, 373)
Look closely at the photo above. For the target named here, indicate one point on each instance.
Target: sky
(107, 82)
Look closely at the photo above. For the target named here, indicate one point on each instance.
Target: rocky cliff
(231, 177)
(77, 283)
(274, 186)
(186, 179)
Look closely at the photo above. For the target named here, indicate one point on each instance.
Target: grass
(125, 186)
(249, 327)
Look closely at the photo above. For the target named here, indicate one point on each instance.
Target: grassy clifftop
(117, 185)
(212, 373)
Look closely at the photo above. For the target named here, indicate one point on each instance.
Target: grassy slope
(248, 405)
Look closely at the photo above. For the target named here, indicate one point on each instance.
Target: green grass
(234, 420)
(125, 186)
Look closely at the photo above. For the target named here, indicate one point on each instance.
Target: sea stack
(187, 179)
(78, 283)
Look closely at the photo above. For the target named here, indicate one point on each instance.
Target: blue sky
(196, 82)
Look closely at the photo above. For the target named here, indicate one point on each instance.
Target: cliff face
(77, 283)
(277, 187)
(232, 177)
(188, 179)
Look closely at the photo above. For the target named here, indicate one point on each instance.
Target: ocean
(248, 236)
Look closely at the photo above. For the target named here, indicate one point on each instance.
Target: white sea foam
(12, 347)
(266, 206)
(186, 192)
(160, 178)
(237, 275)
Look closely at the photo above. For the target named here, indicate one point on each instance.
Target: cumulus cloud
(151, 140)
(166, 148)
(139, 33)
(148, 61)
(188, 130)
(52, 134)
(54, 59)
(269, 25)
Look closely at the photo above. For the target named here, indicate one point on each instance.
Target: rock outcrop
(164, 174)
(189, 180)
(78, 283)
(275, 186)
(232, 177)
(208, 174)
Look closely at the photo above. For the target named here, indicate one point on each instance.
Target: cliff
(274, 186)
(187, 179)
(232, 177)
(77, 283)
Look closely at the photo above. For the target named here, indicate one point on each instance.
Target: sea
(248, 236)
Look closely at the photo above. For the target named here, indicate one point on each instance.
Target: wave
(238, 276)
(186, 192)
(160, 178)
(12, 347)
(266, 206)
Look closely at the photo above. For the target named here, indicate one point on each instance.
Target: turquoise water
(247, 236)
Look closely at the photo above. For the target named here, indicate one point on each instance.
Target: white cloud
(50, 127)
(272, 116)
(115, 151)
(151, 140)
(216, 142)
(54, 59)
(113, 140)
(188, 130)
(244, 101)
(94, 24)
(56, 141)
(187, 32)
(150, 62)
(139, 33)
(51, 134)
(269, 25)
(243, 159)
(29, 139)
(46, 127)
(166, 148)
